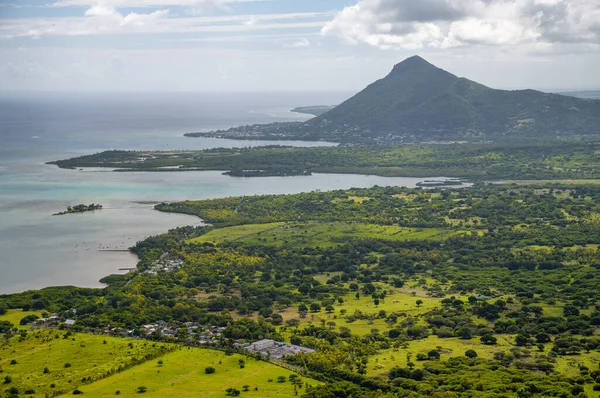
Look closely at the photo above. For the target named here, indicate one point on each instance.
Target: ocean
(39, 250)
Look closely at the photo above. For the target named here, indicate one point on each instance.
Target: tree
(141, 389)
(315, 307)
(419, 303)
(302, 308)
(5, 326)
(329, 309)
(488, 339)
(521, 340)
(465, 333)
(209, 370)
(471, 354)
(433, 354)
(542, 338)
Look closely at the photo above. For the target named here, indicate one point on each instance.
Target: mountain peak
(418, 99)
(414, 62)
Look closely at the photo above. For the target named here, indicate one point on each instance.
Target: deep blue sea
(39, 250)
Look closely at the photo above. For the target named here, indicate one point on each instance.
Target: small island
(81, 208)
(267, 173)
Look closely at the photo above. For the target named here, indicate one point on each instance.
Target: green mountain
(418, 101)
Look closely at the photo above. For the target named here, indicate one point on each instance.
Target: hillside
(421, 100)
(418, 102)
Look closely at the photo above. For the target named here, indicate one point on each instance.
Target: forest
(490, 291)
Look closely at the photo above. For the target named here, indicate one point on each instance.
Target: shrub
(77, 392)
(471, 354)
(209, 370)
(141, 389)
(67, 365)
(13, 362)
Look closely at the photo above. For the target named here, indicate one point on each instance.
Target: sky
(293, 45)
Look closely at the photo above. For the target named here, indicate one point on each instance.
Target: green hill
(418, 101)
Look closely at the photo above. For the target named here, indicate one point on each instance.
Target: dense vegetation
(418, 102)
(81, 208)
(549, 160)
(491, 291)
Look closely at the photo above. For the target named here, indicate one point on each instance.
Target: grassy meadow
(324, 234)
(52, 361)
(14, 316)
(49, 362)
(182, 375)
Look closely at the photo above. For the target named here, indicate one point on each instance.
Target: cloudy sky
(293, 45)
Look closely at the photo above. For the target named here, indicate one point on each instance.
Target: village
(191, 333)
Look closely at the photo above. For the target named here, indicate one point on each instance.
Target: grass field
(397, 300)
(68, 360)
(15, 316)
(319, 234)
(87, 363)
(182, 375)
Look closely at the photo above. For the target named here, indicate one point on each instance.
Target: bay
(39, 250)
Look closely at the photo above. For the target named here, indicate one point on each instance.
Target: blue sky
(292, 45)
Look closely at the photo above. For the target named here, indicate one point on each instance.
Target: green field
(320, 234)
(182, 375)
(99, 366)
(15, 316)
(69, 359)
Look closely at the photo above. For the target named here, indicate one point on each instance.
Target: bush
(29, 392)
(281, 379)
(209, 370)
(67, 365)
(77, 392)
(471, 354)
(141, 389)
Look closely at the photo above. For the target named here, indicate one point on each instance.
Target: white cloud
(302, 43)
(152, 3)
(414, 24)
(105, 19)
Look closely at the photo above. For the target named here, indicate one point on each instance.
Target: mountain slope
(420, 101)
